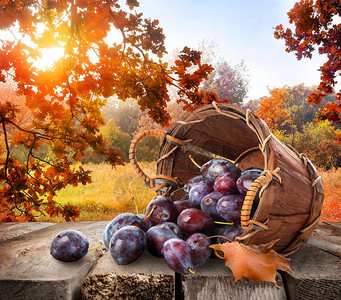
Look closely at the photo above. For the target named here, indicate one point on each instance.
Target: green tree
(116, 138)
(126, 114)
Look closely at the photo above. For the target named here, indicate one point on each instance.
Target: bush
(318, 142)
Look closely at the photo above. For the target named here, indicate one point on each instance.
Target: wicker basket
(291, 195)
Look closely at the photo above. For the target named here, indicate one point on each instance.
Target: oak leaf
(256, 262)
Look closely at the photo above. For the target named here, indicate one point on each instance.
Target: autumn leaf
(58, 109)
(256, 262)
(315, 31)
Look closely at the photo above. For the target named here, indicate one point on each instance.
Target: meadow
(120, 189)
(112, 191)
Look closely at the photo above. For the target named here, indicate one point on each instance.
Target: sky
(243, 30)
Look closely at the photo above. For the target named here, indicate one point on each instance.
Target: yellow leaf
(256, 262)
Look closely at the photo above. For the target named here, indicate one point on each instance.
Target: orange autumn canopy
(107, 49)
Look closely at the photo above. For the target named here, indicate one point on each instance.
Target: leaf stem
(223, 223)
(136, 207)
(150, 213)
(177, 190)
(93, 248)
(194, 162)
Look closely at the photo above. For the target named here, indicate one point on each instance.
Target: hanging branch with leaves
(65, 99)
(317, 27)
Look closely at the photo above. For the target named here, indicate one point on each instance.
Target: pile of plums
(179, 231)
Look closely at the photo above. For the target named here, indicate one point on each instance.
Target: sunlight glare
(48, 57)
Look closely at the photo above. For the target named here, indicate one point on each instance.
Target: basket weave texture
(291, 195)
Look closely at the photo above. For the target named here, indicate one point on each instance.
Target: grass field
(112, 191)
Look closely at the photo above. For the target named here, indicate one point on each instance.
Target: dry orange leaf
(257, 262)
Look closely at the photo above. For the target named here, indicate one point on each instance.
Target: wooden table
(28, 271)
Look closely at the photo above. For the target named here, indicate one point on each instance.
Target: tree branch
(7, 148)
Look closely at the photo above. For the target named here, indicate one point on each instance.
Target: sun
(48, 57)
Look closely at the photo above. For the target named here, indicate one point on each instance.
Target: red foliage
(65, 100)
(315, 28)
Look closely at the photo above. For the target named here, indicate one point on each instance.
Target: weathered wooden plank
(316, 275)
(328, 238)
(28, 271)
(338, 225)
(215, 281)
(12, 230)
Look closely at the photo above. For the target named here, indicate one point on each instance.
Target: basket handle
(245, 221)
(160, 181)
(133, 147)
(263, 180)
